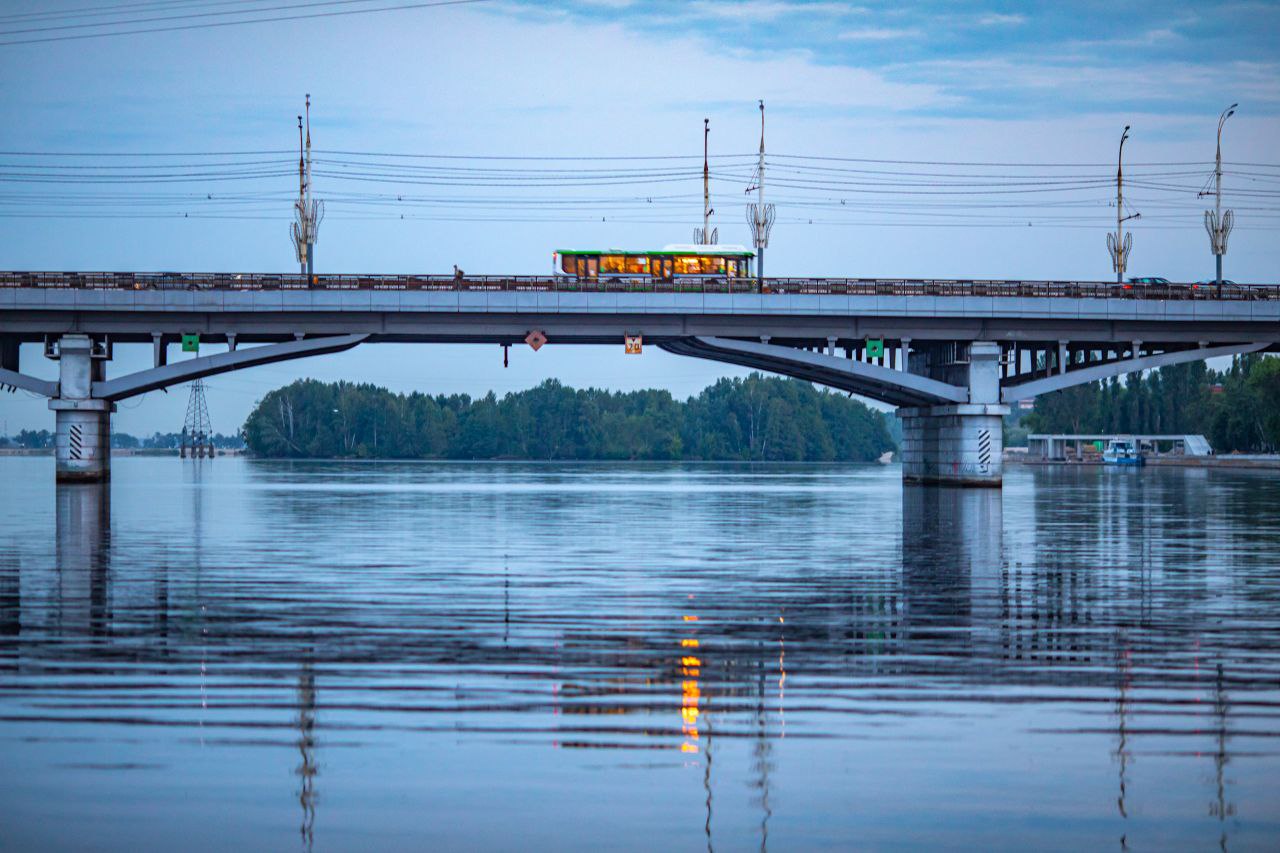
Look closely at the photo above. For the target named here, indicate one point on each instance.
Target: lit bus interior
(720, 261)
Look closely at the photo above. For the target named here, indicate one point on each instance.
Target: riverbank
(1230, 460)
(115, 451)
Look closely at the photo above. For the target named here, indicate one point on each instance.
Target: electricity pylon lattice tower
(197, 431)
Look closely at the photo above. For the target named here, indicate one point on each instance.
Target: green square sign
(191, 343)
(875, 348)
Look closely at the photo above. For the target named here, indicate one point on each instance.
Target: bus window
(613, 264)
(637, 265)
(690, 265)
(593, 267)
(568, 264)
(661, 268)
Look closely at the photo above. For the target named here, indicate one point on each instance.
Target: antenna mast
(760, 215)
(307, 213)
(706, 235)
(1120, 244)
(1217, 223)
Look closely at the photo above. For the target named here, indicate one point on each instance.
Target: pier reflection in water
(639, 656)
(83, 558)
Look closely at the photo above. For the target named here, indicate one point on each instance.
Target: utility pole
(706, 236)
(1217, 223)
(308, 213)
(760, 215)
(1120, 244)
(197, 432)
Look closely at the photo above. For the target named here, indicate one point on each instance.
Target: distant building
(1215, 388)
(1027, 405)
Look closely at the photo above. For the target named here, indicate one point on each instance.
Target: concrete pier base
(959, 445)
(82, 440)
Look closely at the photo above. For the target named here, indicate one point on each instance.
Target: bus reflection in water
(690, 694)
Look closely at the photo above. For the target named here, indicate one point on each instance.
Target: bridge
(951, 355)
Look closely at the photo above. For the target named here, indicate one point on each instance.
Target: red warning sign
(535, 339)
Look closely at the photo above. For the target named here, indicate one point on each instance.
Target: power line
(121, 9)
(144, 153)
(211, 25)
(186, 17)
(748, 158)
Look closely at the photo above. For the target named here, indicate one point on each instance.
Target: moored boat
(1122, 451)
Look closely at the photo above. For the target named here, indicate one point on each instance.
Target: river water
(337, 656)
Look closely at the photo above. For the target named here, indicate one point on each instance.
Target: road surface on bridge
(265, 307)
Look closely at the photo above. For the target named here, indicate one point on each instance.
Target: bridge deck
(564, 284)
(263, 307)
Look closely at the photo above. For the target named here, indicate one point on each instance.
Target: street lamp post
(1119, 243)
(1216, 222)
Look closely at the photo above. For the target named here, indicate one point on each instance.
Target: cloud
(1148, 38)
(766, 10)
(1080, 81)
(878, 34)
(997, 19)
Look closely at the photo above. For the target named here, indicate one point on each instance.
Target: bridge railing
(814, 286)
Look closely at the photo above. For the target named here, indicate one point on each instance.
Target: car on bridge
(1150, 279)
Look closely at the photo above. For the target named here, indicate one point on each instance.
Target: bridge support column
(82, 437)
(960, 444)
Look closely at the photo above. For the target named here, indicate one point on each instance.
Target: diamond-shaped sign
(535, 340)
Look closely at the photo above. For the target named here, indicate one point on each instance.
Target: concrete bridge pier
(82, 435)
(959, 444)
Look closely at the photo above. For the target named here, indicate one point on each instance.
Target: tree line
(756, 418)
(1237, 409)
(39, 439)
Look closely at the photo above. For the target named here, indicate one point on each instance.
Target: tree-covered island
(757, 418)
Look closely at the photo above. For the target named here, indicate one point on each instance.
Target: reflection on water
(644, 656)
(83, 558)
(307, 750)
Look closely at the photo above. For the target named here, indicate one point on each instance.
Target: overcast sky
(1003, 84)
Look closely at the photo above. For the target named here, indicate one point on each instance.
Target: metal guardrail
(817, 286)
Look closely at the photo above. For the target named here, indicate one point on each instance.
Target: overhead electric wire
(516, 157)
(117, 9)
(1008, 164)
(293, 151)
(307, 5)
(213, 24)
(603, 189)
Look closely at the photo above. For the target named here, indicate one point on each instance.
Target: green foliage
(756, 418)
(1237, 409)
(33, 438)
(170, 441)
